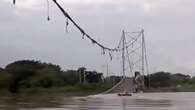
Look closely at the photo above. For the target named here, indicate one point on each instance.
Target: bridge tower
(134, 62)
(134, 58)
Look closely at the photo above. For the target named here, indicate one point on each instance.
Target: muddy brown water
(143, 101)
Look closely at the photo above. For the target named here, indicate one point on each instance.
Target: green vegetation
(165, 81)
(34, 76)
(28, 76)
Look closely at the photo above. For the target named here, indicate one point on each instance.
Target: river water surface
(143, 101)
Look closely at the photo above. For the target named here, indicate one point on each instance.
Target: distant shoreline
(64, 91)
(188, 88)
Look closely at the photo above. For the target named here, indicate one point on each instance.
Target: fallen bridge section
(125, 85)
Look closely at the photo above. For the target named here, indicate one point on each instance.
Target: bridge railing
(114, 87)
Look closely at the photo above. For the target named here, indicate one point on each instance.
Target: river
(142, 101)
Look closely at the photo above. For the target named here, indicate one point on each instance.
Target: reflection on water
(146, 101)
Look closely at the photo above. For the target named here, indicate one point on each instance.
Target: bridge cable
(82, 30)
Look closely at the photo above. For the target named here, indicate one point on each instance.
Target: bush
(160, 79)
(4, 80)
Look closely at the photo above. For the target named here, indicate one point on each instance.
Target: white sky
(169, 25)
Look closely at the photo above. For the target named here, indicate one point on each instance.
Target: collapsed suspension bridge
(134, 60)
(133, 49)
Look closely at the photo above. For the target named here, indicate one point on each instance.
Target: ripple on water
(145, 101)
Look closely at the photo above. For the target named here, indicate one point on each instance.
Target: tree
(17, 77)
(1, 69)
(160, 79)
(178, 79)
(93, 76)
(71, 77)
(4, 79)
(29, 73)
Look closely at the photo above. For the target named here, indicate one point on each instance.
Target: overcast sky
(169, 30)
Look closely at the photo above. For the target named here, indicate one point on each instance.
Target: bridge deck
(125, 84)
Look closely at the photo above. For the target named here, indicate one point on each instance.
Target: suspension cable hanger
(105, 49)
(84, 34)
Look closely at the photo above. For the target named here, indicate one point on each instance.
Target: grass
(181, 88)
(186, 88)
(69, 90)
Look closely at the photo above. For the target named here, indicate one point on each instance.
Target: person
(138, 82)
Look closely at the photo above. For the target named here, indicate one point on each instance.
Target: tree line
(29, 74)
(167, 79)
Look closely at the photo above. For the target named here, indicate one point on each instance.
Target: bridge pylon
(134, 63)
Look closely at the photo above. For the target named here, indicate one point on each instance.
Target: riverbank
(85, 90)
(76, 90)
(179, 88)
